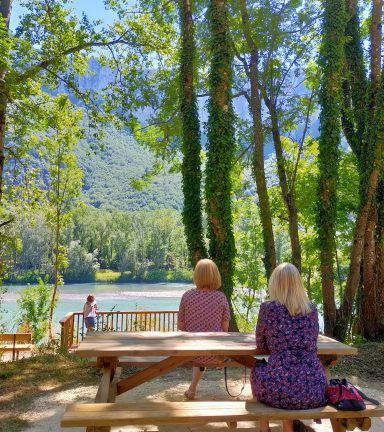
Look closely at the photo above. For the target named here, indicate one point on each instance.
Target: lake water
(119, 297)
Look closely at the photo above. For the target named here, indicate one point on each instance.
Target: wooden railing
(73, 329)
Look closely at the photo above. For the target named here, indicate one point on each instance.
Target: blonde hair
(286, 287)
(206, 275)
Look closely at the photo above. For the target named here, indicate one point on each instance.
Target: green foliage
(190, 147)
(34, 306)
(332, 62)
(220, 147)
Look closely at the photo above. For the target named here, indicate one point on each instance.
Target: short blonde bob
(286, 287)
(206, 275)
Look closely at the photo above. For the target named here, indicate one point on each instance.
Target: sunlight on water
(119, 297)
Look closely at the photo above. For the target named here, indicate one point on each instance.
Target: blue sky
(95, 9)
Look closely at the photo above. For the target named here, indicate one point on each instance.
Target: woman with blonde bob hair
(203, 309)
(288, 327)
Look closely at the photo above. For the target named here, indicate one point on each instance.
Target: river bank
(113, 276)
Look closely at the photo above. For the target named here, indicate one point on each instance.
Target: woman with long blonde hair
(288, 327)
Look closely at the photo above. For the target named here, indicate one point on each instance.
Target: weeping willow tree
(220, 149)
(191, 148)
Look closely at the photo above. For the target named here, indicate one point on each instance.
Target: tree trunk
(369, 187)
(375, 31)
(50, 333)
(258, 158)
(287, 191)
(332, 52)
(5, 11)
(379, 269)
(191, 148)
(220, 154)
(368, 300)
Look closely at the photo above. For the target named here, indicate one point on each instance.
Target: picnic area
(191, 215)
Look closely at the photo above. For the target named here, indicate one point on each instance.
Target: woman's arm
(261, 326)
(181, 326)
(225, 325)
(181, 315)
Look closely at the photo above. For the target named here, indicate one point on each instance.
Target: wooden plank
(113, 388)
(17, 347)
(247, 361)
(19, 337)
(105, 385)
(150, 373)
(151, 360)
(137, 344)
(158, 413)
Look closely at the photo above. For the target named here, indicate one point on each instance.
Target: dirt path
(45, 412)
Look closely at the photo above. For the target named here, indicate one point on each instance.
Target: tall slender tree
(190, 147)
(258, 168)
(332, 57)
(221, 147)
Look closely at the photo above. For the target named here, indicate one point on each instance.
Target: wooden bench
(96, 416)
(150, 361)
(15, 342)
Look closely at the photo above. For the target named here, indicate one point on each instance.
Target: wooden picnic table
(179, 348)
(176, 349)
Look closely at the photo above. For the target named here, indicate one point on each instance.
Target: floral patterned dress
(204, 311)
(294, 377)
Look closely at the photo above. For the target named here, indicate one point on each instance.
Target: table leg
(107, 389)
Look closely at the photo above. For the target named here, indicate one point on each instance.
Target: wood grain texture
(150, 373)
(158, 413)
(138, 344)
(152, 360)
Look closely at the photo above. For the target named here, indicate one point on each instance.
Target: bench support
(151, 373)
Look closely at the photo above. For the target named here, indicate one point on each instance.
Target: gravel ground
(46, 410)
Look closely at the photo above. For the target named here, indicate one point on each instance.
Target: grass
(23, 380)
(182, 275)
(368, 364)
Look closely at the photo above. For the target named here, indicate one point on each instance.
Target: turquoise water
(119, 297)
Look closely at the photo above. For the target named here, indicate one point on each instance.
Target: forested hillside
(107, 176)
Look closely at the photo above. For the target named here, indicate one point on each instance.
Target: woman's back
(284, 333)
(293, 378)
(203, 310)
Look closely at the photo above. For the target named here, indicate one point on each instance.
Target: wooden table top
(119, 344)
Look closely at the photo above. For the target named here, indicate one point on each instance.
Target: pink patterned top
(204, 311)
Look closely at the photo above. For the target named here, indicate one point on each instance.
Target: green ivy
(221, 147)
(332, 63)
(190, 147)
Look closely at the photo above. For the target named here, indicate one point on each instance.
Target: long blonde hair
(286, 287)
(207, 275)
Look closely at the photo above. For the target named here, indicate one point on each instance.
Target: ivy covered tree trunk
(379, 268)
(367, 146)
(369, 299)
(332, 56)
(258, 169)
(368, 185)
(220, 150)
(5, 14)
(191, 148)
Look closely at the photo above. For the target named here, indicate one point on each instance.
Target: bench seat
(161, 413)
(150, 361)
